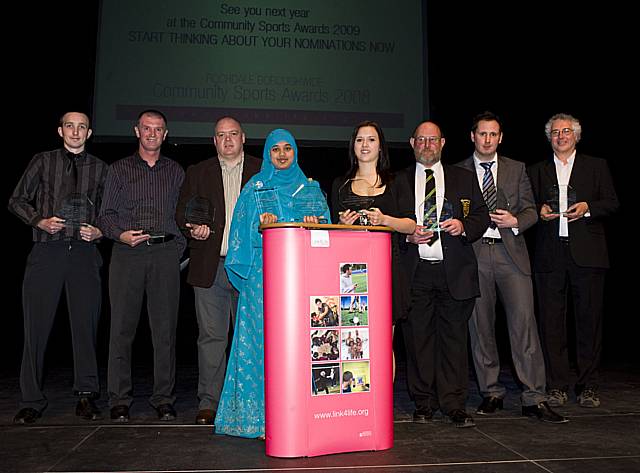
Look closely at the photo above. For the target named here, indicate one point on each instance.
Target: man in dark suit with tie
(218, 180)
(503, 263)
(443, 278)
(574, 194)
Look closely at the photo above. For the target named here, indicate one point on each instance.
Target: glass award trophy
(148, 219)
(268, 201)
(77, 210)
(560, 198)
(199, 211)
(348, 200)
(431, 220)
(308, 200)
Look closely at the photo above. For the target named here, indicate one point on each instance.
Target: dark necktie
(72, 170)
(489, 190)
(430, 203)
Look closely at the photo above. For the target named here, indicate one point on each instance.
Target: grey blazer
(514, 182)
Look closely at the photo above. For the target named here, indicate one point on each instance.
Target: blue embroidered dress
(241, 407)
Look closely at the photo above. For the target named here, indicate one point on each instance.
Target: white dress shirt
(563, 173)
(430, 252)
(491, 232)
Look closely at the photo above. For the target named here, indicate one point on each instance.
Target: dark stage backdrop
(524, 66)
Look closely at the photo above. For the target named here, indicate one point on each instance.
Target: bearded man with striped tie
(442, 278)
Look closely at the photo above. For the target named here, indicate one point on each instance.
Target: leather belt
(564, 239)
(155, 240)
(491, 241)
(430, 261)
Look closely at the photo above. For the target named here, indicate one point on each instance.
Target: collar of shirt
(480, 169)
(77, 156)
(436, 168)
(438, 174)
(563, 171)
(557, 160)
(226, 167)
(141, 162)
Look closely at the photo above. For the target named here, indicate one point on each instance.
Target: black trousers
(436, 341)
(587, 291)
(154, 270)
(51, 267)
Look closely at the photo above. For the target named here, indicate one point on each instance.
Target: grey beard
(428, 161)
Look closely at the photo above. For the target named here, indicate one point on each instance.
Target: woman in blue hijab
(241, 407)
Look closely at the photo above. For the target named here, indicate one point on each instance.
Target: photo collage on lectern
(339, 335)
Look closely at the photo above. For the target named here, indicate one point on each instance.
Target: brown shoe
(205, 417)
(87, 409)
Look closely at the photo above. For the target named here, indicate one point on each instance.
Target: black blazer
(591, 179)
(205, 180)
(460, 263)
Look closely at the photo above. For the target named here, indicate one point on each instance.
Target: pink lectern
(328, 339)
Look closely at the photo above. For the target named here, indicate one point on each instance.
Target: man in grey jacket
(503, 263)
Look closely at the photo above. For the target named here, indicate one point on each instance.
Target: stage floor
(606, 439)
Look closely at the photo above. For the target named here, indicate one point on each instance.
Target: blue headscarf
(245, 242)
(277, 178)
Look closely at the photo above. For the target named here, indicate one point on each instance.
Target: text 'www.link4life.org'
(341, 413)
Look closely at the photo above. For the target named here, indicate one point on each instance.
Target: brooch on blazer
(466, 206)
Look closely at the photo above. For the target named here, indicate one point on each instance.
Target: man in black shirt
(58, 196)
(138, 212)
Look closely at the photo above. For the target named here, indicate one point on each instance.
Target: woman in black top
(368, 193)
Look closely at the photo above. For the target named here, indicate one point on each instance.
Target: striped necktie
(489, 189)
(430, 203)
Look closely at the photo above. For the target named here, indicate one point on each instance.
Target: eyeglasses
(427, 139)
(563, 132)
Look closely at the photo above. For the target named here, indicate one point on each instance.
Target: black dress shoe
(166, 412)
(120, 414)
(543, 412)
(460, 418)
(27, 415)
(87, 409)
(205, 417)
(422, 415)
(489, 405)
